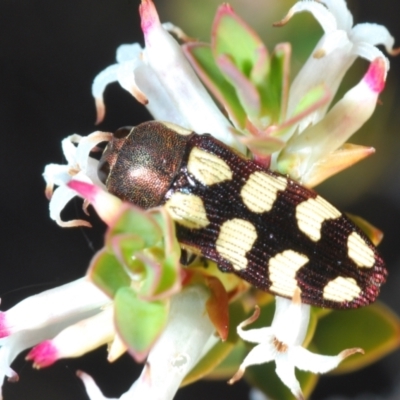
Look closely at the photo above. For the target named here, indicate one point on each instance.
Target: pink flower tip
(148, 15)
(4, 329)
(43, 355)
(376, 75)
(86, 190)
(106, 205)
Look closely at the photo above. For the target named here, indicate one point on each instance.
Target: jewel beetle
(266, 228)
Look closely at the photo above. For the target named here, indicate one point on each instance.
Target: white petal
(160, 104)
(69, 149)
(259, 354)
(75, 340)
(260, 335)
(61, 197)
(370, 53)
(128, 52)
(343, 120)
(104, 78)
(328, 70)
(56, 174)
(54, 305)
(308, 361)
(127, 79)
(373, 34)
(343, 16)
(325, 18)
(86, 145)
(100, 82)
(187, 94)
(285, 371)
(290, 321)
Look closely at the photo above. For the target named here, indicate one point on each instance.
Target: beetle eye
(103, 170)
(110, 153)
(122, 132)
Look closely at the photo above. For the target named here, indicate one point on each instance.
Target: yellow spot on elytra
(261, 190)
(341, 289)
(359, 251)
(187, 210)
(282, 270)
(208, 168)
(235, 239)
(310, 215)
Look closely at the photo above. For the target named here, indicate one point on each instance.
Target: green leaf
(202, 60)
(139, 323)
(137, 222)
(124, 246)
(106, 272)
(161, 273)
(375, 328)
(232, 36)
(274, 88)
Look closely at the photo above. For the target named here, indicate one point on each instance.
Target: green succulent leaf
(232, 36)
(375, 328)
(107, 273)
(138, 222)
(274, 88)
(202, 60)
(139, 322)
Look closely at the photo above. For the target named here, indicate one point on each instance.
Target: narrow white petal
(373, 34)
(259, 354)
(86, 335)
(370, 53)
(343, 16)
(127, 79)
(290, 321)
(308, 361)
(128, 52)
(69, 149)
(86, 145)
(325, 18)
(260, 335)
(104, 78)
(56, 174)
(327, 70)
(160, 104)
(285, 371)
(61, 197)
(99, 85)
(54, 305)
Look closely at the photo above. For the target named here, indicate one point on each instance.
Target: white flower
(80, 167)
(43, 316)
(310, 156)
(160, 77)
(282, 342)
(336, 51)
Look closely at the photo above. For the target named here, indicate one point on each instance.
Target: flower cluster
(296, 130)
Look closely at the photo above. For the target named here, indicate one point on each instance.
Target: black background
(50, 52)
